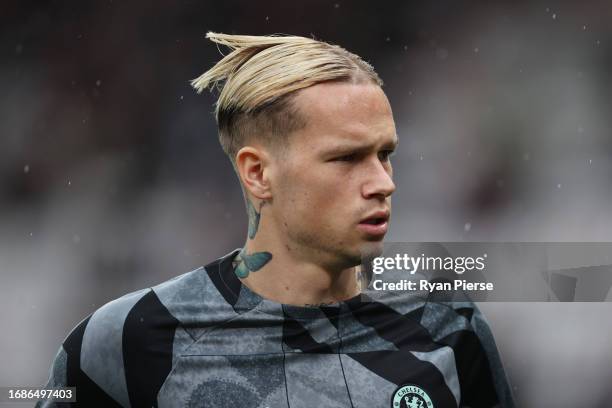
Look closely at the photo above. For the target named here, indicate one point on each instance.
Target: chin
(371, 249)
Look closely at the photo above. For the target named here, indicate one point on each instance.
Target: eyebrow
(342, 148)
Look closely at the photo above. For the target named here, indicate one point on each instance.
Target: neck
(274, 270)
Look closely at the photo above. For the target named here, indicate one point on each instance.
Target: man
(283, 321)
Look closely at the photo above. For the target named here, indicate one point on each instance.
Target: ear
(253, 168)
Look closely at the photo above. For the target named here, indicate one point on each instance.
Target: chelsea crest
(410, 396)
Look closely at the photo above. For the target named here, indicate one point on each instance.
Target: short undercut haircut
(258, 80)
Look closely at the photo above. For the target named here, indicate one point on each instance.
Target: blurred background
(112, 179)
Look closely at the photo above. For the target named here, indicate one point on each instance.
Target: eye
(385, 155)
(346, 158)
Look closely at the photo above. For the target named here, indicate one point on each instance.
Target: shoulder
(458, 326)
(92, 354)
(96, 349)
(104, 327)
(463, 327)
(140, 306)
(126, 348)
(143, 316)
(127, 344)
(443, 319)
(448, 322)
(188, 301)
(439, 318)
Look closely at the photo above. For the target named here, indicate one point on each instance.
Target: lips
(375, 224)
(376, 217)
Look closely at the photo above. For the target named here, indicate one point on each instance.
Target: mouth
(376, 224)
(374, 221)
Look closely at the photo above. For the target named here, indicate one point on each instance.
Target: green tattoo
(253, 219)
(248, 263)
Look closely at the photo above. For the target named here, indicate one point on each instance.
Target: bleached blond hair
(258, 79)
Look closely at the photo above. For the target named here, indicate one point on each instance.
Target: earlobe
(251, 164)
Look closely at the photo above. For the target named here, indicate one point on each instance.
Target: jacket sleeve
(479, 360)
(91, 358)
(66, 371)
(57, 377)
(500, 380)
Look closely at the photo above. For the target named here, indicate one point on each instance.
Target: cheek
(312, 200)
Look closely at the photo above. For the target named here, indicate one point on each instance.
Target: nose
(379, 181)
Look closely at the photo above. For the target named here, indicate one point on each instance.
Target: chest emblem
(410, 396)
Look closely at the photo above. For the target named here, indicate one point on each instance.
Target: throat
(297, 284)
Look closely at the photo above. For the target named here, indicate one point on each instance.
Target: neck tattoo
(245, 263)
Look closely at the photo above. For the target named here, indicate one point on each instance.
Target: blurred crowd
(112, 178)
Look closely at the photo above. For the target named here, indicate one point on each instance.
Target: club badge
(411, 396)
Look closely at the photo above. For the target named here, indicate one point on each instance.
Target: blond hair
(259, 77)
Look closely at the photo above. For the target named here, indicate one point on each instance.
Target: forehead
(340, 112)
